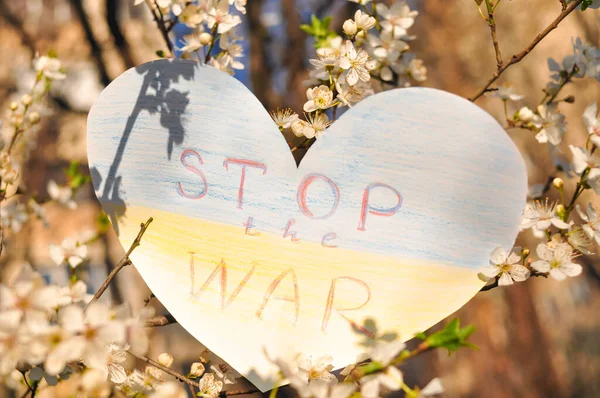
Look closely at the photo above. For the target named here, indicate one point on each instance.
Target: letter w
(222, 270)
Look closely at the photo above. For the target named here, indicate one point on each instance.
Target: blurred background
(540, 338)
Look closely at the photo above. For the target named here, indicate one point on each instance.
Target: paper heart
(389, 215)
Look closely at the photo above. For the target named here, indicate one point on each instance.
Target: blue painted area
(462, 180)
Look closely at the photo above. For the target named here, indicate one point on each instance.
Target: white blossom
(587, 59)
(8, 173)
(284, 118)
(396, 19)
(141, 382)
(192, 15)
(505, 265)
(390, 378)
(94, 330)
(197, 369)
(323, 389)
(13, 215)
(165, 359)
(591, 119)
(525, 114)
(505, 92)
(219, 14)
(318, 98)
(113, 368)
(582, 159)
(556, 258)
(541, 215)
(191, 43)
(230, 51)
(434, 387)
(49, 67)
(29, 298)
(356, 64)
(313, 127)
(592, 222)
(209, 387)
(410, 66)
(350, 95)
(74, 293)
(551, 124)
(364, 21)
(94, 384)
(169, 389)
(239, 5)
(580, 241)
(69, 251)
(325, 64)
(317, 369)
(63, 195)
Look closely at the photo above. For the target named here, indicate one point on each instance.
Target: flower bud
(197, 370)
(570, 99)
(14, 106)
(153, 372)
(34, 118)
(205, 38)
(525, 252)
(165, 359)
(558, 183)
(525, 114)
(350, 27)
(561, 211)
(26, 99)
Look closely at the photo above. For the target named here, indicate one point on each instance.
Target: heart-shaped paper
(389, 215)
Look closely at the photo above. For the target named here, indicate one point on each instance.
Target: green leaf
(319, 29)
(103, 222)
(452, 337)
(585, 4)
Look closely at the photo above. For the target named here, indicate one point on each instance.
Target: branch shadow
(156, 95)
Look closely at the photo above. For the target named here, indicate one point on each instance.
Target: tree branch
(119, 39)
(186, 380)
(518, 57)
(260, 67)
(160, 320)
(94, 46)
(157, 15)
(169, 371)
(124, 262)
(18, 25)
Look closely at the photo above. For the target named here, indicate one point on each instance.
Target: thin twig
(160, 23)
(160, 320)
(148, 299)
(492, 24)
(170, 371)
(213, 34)
(238, 392)
(518, 57)
(495, 284)
(124, 261)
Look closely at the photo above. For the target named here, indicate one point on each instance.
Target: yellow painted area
(406, 296)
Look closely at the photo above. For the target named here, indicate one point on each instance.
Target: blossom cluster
(372, 57)
(563, 238)
(210, 22)
(313, 377)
